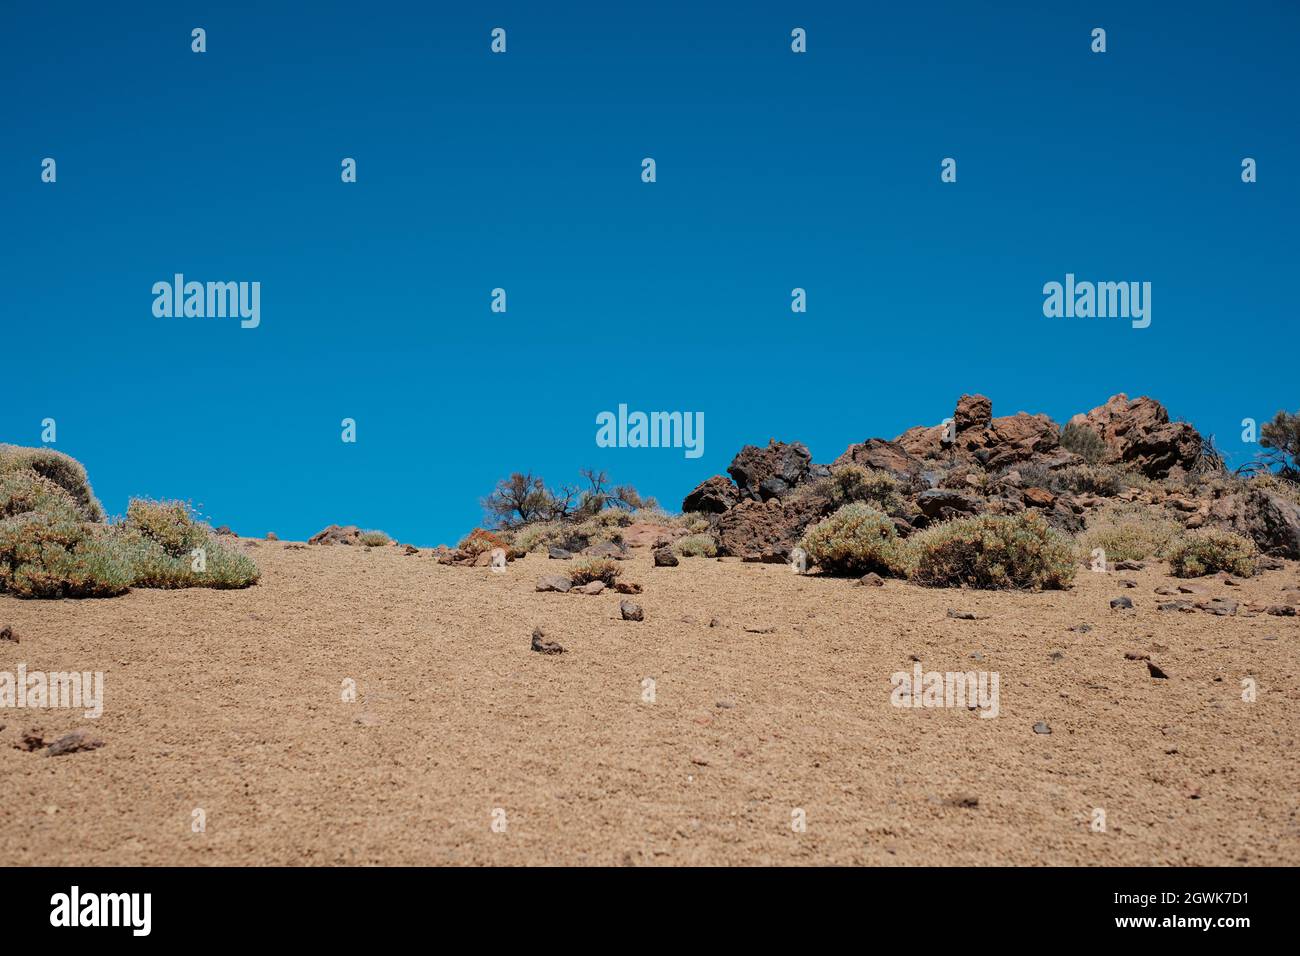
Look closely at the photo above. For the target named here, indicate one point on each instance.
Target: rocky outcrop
(1139, 434)
(992, 443)
(712, 496)
(337, 534)
(882, 455)
(774, 471)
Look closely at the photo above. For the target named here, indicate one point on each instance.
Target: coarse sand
(768, 704)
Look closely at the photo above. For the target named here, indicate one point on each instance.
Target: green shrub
(1130, 534)
(170, 524)
(993, 552)
(595, 569)
(24, 491)
(853, 484)
(854, 540)
(1105, 481)
(159, 539)
(64, 471)
(375, 539)
(1207, 550)
(57, 555)
(152, 566)
(696, 546)
(1084, 442)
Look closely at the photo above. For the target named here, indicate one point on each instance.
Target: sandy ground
(231, 702)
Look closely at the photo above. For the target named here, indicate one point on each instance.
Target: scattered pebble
(664, 558)
(591, 587)
(1042, 728)
(1156, 672)
(631, 611)
(542, 645)
(1121, 604)
(627, 587)
(965, 801)
(75, 742)
(1126, 583)
(7, 634)
(554, 582)
(871, 580)
(966, 615)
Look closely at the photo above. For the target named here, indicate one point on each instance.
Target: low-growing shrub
(595, 569)
(1130, 534)
(992, 552)
(53, 555)
(1207, 550)
(479, 541)
(1084, 442)
(23, 491)
(696, 546)
(63, 470)
(375, 539)
(854, 540)
(1106, 481)
(213, 566)
(853, 484)
(170, 524)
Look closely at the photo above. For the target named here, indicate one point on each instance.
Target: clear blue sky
(522, 170)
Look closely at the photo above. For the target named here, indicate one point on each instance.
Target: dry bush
(1018, 552)
(1207, 550)
(63, 470)
(854, 540)
(696, 546)
(595, 569)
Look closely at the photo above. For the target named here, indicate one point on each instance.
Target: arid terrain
(772, 693)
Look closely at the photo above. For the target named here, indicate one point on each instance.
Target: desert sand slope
(230, 702)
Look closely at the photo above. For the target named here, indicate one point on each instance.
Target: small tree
(597, 497)
(1282, 437)
(522, 498)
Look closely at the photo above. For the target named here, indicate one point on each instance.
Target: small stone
(554, 582)
(1056, 656)
(966, 615)
(272, 536)
(1082, 628)
(591, 587)
(30, 740)
(1136, 656)
(1277, 610)
(1165, 591)
(977, 656)
(699, 761)
(725, 704)
(542, 645)
(559, 554)
(75, 742)
(1192, 589)
(627, 587)
(1221, 607)
(714, 622)
(1156, 672)
(1121, 604)
(871, 580)
(1127, 583)
(965, 801)
(1175, 606)
(1042, 728)
(7, 634)
(664, 558)
(410, 549)
(1129, 566)
(631, 611)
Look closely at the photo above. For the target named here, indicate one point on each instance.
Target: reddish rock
(337, 534)
(712, 496)
(1138, 433)
(882, 455)
(771, 472)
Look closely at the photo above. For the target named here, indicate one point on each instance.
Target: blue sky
(522, 171)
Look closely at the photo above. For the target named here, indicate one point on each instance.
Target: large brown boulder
(764, 530)
(1267, 518)
(336, 534)
(1139, 434)
(712, 496)
(772, 472)
(882, 455)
